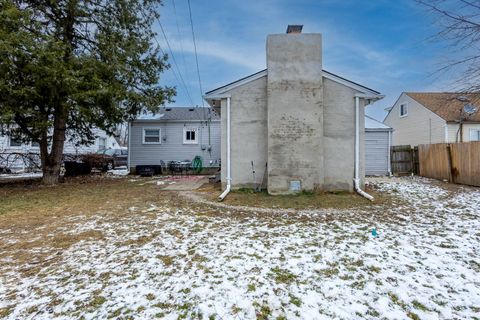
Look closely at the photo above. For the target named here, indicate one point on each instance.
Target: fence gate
(404, 160)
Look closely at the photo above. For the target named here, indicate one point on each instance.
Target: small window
(151, 136)
(15, 142)
(190, 135)
(124, 152)
(35, 144)
(403, 110)
(474, 134)
(102, 143)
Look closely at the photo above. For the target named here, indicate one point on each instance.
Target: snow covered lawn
(180, 259)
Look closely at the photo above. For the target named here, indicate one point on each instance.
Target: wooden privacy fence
(404, 159)
(455, 162)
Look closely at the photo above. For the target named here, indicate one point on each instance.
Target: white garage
(378, 139)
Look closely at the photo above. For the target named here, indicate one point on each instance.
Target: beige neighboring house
(434, 117)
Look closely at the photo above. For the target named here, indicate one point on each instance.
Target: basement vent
(168, 109)
(295, 185)
(191, 109)
(294, 28)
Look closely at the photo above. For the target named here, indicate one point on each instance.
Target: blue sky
(381, 44)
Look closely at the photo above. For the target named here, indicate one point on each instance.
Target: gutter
(356, 180)
(229, 173)
(128, 143)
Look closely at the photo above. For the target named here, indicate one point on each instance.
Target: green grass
(419, 305)
(295, 300)
(263, 311)
(283, 275)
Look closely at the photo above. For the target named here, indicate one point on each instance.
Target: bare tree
(459, 23)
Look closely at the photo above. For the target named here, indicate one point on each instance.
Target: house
(378, 139)
(305, 125)
(434, 117)
(10, 146)
(175, 134)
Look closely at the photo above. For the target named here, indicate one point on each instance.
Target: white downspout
(229, 177)
(388, 154)
(129, 151)
(356, 180)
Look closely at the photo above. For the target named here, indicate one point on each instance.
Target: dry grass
(37, 216)
(304, 200)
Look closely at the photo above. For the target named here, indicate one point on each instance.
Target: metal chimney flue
(294, 28)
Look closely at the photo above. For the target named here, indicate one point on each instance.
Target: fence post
(451, 177)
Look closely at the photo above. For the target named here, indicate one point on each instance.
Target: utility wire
(178, 77)
(196, 55)
(184, 62)
(173, 70)
(175, 61)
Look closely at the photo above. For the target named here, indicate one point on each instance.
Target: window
(102, 143)
(151, 136)
(35, 144)
(109, 152)
(403, 110)
(474, 134)
(15, 142)
(190, 135)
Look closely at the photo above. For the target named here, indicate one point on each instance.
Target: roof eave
(221, 91)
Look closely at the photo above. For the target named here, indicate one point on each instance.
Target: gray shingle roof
(182, 113)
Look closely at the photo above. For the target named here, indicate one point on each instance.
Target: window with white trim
(403, 110)
(190, 135)
(15, 142)
(474, 134)
(102, 143)
(152, 136)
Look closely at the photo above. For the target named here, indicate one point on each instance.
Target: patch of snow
(171, 262)
(119, 171)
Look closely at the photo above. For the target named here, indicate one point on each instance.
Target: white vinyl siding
(474, 135)
(172, 147)
(422, 126)
(469, 130)
(152, 136)
(70, 147)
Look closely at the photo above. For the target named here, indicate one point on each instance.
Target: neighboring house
(433, 117)
(175, 134)
(298, 119)
(9, 145)
(378, 139)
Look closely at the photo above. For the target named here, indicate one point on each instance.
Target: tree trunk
(51, 162)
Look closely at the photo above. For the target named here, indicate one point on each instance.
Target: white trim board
(328, 75)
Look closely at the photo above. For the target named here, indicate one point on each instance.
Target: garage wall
(376, 153)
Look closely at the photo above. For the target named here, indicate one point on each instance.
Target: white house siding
(453, 129)
(420, 126)
(376, 152)
(69, 147)
(172, 147)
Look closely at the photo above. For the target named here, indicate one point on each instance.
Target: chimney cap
(294, 28)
